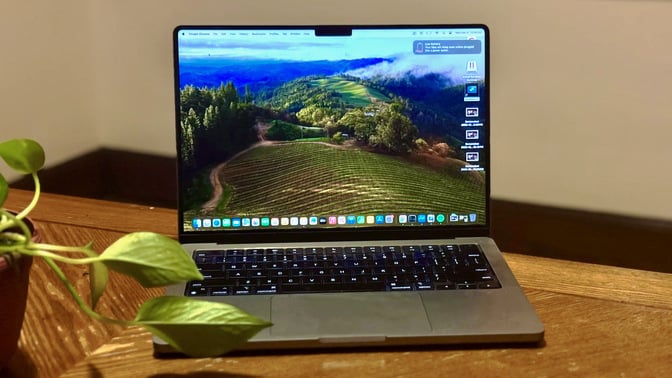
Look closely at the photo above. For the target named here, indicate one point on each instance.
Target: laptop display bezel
(270, 235)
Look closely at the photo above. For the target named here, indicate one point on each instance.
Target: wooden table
(600, 320)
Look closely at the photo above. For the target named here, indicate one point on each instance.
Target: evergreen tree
(189, 125)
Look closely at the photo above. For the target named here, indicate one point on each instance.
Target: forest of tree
(216, 123)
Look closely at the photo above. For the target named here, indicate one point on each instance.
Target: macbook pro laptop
(335, 181)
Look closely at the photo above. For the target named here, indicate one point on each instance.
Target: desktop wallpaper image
(323, 127)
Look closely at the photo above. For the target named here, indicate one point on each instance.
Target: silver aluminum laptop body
(343, 137)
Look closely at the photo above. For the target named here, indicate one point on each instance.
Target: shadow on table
(366, 349)
(201, 374)
(19, 366)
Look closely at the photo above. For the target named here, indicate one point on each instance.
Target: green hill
(308, 178)
(353, 94)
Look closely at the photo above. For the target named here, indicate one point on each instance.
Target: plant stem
(67, 249)
(30, 250)
(14, 222)
(36, 196)
(80, 301)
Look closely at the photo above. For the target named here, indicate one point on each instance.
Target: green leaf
(22, 155)
(99, 276)
(198, 328)
(4, 189)
(150, 258)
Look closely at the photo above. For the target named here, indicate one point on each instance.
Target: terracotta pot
(13, 297)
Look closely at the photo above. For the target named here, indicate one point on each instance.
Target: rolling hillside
(317, 178)
(353, 94)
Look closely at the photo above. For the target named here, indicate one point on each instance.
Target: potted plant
(194, 327)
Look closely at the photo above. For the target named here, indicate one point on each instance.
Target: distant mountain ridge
(261, 74)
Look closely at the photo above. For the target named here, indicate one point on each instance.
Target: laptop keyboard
(341, 269)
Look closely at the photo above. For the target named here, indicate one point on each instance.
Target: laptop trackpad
(348, 314)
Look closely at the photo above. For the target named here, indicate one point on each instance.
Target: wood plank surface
(98, 214)
(592, 280)
(600, 320)
(586, 337)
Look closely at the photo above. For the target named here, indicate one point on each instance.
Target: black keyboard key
(423, 286)
(352, 251)
(243, 290)
(207, 274)
(332, 280)
(209, 266)
(290, 280)
(489, 285)
(235, 274)
(467, 286)
(444, 286)
(225, 290)
(376, 279)
(198, 291)
(400, 287)
(215, 282)
(275, 252)
(267, 289)
(257, 274)
(235, 282)
(328, 251)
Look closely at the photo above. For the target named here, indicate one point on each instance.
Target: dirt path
(215, 173)
(261, 128)
(217, 189)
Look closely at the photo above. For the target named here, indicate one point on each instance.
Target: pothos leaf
(150, 258)
(4, 189)
(99, 276)
(22, 155)
(198, 328)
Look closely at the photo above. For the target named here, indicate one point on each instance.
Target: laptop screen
(311, 128)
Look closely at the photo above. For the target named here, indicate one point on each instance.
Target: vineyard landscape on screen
(286, 135)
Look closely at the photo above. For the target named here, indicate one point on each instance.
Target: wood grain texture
(600, 320)
(592, 280)
(97, 214)
(587, 337)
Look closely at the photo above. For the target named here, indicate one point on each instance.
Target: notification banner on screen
(431, 47)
